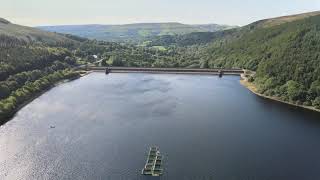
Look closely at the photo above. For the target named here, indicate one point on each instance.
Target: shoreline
(243, 81)
(35, 96)
(253, 89)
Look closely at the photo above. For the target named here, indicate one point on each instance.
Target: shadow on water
(313, 117)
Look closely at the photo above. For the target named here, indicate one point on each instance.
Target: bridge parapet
(167, 70)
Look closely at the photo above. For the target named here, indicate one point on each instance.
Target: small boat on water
(153, 165)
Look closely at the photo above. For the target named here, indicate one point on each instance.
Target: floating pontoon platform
(153, 165)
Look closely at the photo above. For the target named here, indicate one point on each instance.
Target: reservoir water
(101, 126)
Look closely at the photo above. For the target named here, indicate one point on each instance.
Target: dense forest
(286, 58)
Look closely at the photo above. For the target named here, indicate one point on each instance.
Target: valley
(280, 50)
(182, 90)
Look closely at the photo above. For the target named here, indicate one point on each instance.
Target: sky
(231, 12)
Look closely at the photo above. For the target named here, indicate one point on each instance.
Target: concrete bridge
(166, 70)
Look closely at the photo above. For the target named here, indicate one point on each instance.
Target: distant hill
(198, 38)
(133, 32)
(194, 38)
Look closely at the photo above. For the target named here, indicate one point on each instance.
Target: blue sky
(232, 12)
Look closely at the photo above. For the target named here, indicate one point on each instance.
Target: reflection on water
(206, 127)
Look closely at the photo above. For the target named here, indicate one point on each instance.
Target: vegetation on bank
(30, 89)
(27, 69)
(253, 88)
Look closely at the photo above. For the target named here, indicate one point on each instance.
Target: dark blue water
(206, 127)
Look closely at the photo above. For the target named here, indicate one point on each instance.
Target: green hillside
(31, 61)
(195, 38)
(132, 32)
(286, 56)
(25, 34)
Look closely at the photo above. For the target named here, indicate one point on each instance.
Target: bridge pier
(107, 70)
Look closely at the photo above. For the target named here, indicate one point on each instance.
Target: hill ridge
(133, 32)
(4, 21)
(269, 22)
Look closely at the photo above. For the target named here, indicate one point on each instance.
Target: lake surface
(206, 128)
